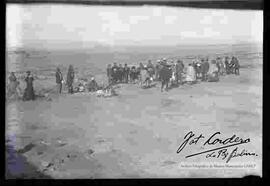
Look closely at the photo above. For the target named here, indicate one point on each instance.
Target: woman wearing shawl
(29, 93)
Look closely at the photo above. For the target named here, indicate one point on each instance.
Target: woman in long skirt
(29, 93)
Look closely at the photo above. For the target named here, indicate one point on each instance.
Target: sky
(69, 26)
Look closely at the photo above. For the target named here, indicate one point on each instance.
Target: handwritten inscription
(221, 145)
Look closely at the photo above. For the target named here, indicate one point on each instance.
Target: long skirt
(29, 94)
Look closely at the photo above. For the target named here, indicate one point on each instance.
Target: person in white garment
(191, 74)
(213, 72)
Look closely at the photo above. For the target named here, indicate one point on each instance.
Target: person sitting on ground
(92, 85)
(144, 76)
(81, 86)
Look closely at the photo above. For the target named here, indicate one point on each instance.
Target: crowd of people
(169, 73)
(173, 73)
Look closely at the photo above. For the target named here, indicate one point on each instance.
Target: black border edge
(233, 4)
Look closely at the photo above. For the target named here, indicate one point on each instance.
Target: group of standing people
(60, 80)
(146, 74)
(173, 73)
(217, 67)
(14, 89)
(29, 93)
(91, 85)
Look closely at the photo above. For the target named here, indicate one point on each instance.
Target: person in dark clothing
(165, 75)
(204, 68)
(115, 73)
(59, 80)
(29, 93)
(70, 79)
(179, 70)
(227, 65)
(132, 74)
(138, 73)
(92, 85)
(120, 73)
(126, 73)
(109, 73)
(234, 66)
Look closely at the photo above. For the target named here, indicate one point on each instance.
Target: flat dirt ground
(137, 133)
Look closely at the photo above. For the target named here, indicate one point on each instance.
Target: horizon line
(135, 45)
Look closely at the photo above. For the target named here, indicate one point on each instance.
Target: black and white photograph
(149, 91)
